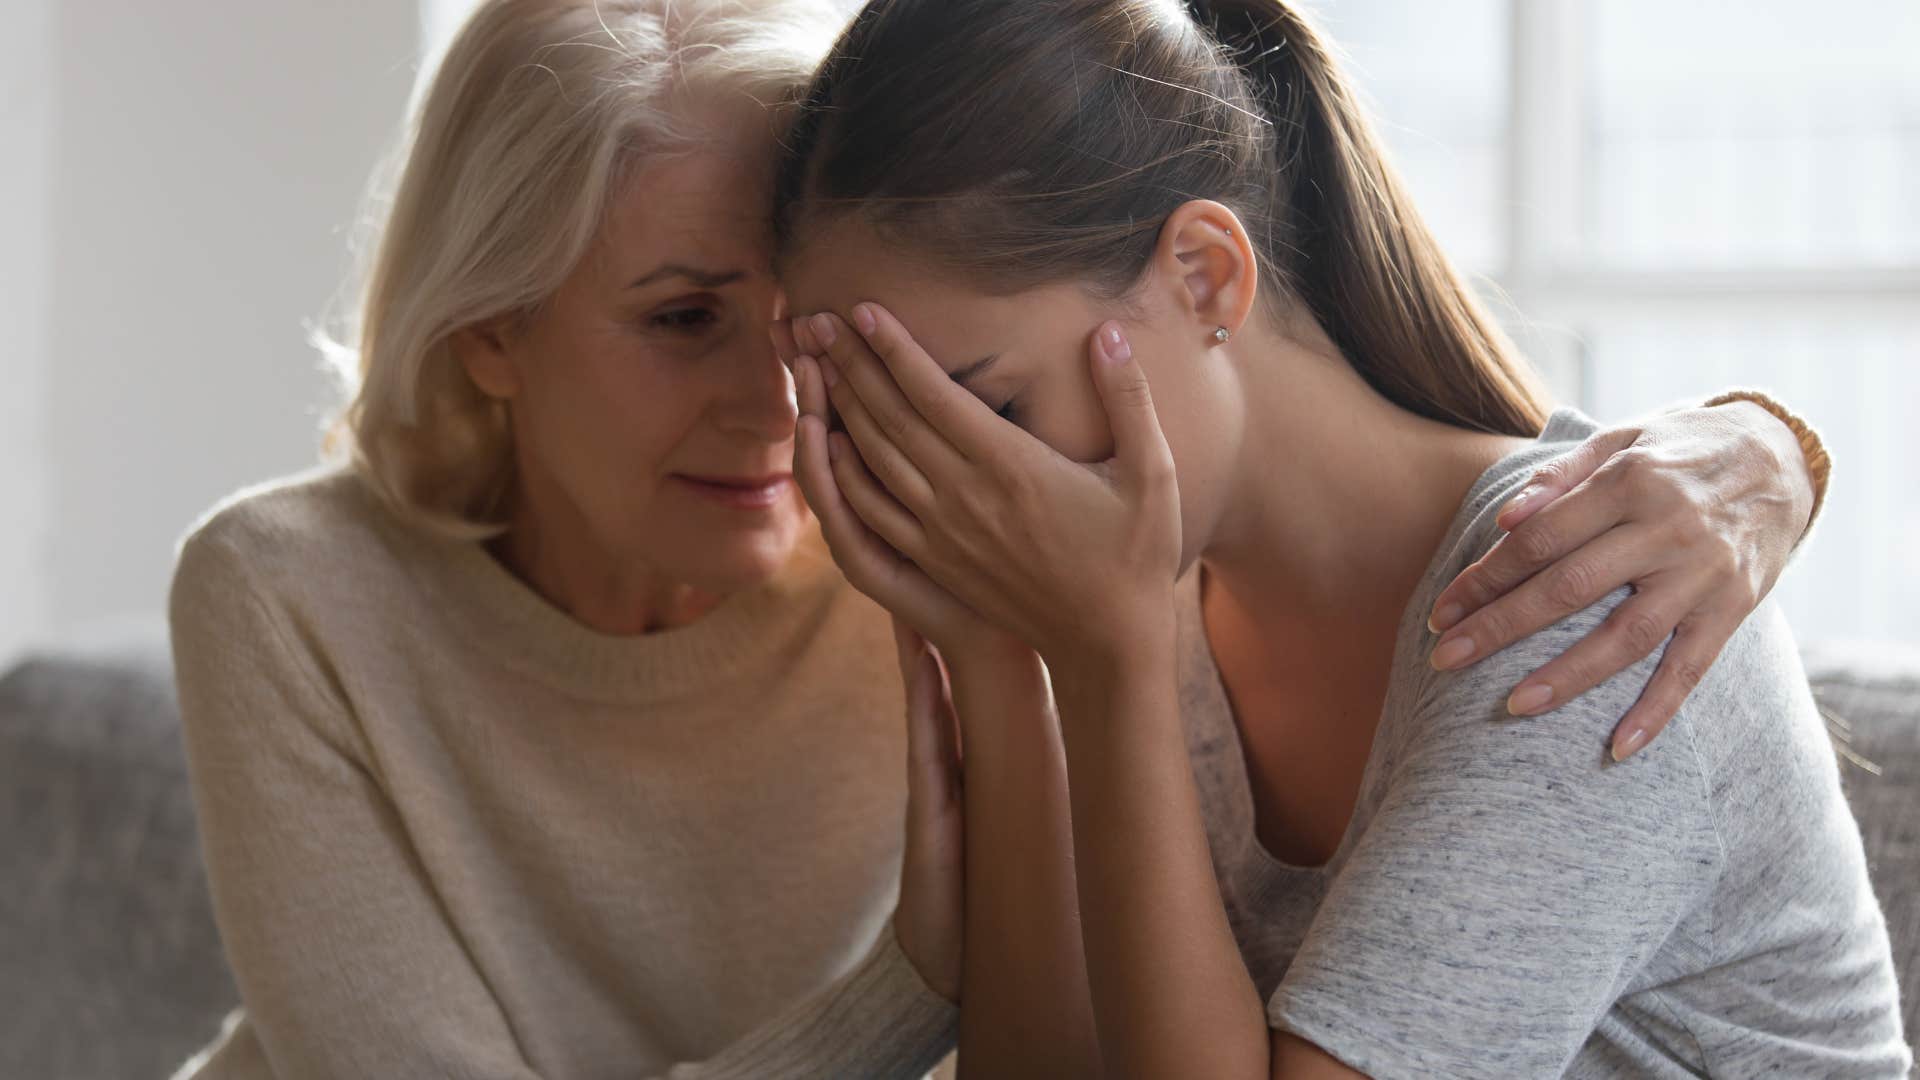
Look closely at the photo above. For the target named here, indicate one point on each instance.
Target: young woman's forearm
(1025, 1007)
(1170, 993)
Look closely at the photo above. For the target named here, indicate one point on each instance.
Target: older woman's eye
(684, 320)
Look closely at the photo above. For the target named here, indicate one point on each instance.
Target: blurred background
(1665, 198)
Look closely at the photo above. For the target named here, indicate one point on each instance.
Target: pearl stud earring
(1223, 335)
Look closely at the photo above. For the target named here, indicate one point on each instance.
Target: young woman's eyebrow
(964, 376)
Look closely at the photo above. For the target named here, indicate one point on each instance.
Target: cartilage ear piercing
(1222, 335)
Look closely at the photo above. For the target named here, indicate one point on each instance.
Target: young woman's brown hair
(1127, 109)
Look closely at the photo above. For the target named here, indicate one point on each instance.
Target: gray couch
(110, 965)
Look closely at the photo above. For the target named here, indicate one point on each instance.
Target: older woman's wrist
(1791, 439)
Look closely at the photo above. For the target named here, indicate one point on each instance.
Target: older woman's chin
(724, 560)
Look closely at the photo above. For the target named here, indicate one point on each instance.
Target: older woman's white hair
(496, 191)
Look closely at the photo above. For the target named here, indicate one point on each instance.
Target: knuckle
(892, 425)
(1678, 534)
(1641, 633)
(1574, 674)
(1622, 469)
(1688, 672)
(1574, 584)
(1157, 467)
(1465, 589)
(1535, 543)
(1135, 395)
(1493, 627)
(937, 411)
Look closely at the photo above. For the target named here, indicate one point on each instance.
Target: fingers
(960, 418)
(902, 479)
(932, 753)
(1569, 585)
(810, 393)
(1563, 474)
(877, 509)
(1139, 446)
(1692, 651)
(869, 563)
(869, 379)
(1547, 537)
(1630, 633)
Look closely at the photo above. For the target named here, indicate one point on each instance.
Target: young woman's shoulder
(1755, 684)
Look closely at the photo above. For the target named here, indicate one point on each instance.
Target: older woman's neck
(1340, 497)
(550, 547)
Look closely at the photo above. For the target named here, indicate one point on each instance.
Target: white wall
(27, 123)
(208, 161)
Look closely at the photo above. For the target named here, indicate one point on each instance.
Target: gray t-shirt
(1508, 902)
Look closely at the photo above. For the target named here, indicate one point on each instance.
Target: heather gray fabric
(110, 966)
(1507, 902)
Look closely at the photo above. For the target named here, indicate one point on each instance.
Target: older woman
(538, 736)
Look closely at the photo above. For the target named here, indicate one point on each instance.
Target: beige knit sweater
(453, 832)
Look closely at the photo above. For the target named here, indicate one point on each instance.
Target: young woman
(538, 737)
(1297, 841)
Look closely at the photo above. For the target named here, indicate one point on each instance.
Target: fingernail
(823, 329)
(829, 372)
(1452, 653)
(1443, 619)
(1529, 699)
(863, 318)
(1118, 350)
(1520, 501)
(1624, 746)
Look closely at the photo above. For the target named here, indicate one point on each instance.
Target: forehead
(711, 204)
(842, 264)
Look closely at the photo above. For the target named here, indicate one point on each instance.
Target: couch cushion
(109, 962)
(1870, 695)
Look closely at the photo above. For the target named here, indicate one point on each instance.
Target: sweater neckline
(741, 636)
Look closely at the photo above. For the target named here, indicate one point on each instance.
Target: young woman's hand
(1076, 560)
(931, 913)
(833, 489)
(1697, 510)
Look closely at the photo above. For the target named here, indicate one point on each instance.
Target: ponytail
(1365, 264)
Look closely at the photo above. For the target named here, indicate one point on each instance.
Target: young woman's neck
(1340, 496)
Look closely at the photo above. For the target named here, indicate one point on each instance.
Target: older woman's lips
(741, 492)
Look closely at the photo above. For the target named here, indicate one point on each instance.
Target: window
(1677, 198)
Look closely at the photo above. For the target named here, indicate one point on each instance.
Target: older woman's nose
(758, 398)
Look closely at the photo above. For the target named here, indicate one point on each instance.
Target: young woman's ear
(1211, 270)
(482, 351)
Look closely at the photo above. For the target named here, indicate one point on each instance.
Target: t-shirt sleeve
(1511, 881)
(345, 960)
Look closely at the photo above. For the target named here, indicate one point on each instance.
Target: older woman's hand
(931, 912)
(1696, 510)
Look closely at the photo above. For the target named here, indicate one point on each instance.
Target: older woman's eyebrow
(972, 371)
(706, 279)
